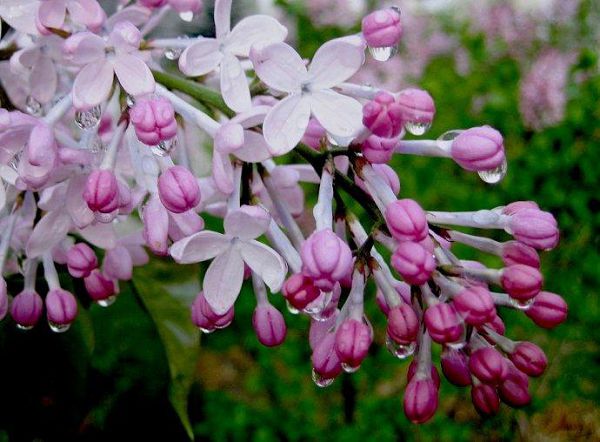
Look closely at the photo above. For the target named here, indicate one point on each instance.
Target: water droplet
(14, 161)
(400, 351)
(187, 16)
(88, 118)
(383, 53)
(33, 106)
(457, 345)
(496, 175)
(206, 331)
(450, 135)
(96, 145)
(163, 148)
(107, 302)
(522, 305)
(320, 381)
(349, 368)
(173, 53)
(222, 326)
(58, 328)
(24, 327)
(416, 127)
(130, 100)
(293, 310)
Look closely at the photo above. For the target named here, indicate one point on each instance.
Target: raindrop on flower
(163, 148)
(320, 381)
(207, 331)
(89, 118)
(96, 145)
(33, 106)
(522, 305)
(496, 175)
(58, 328)
(416, 128)
(14, 161)
(457, 345)
(222, 326)
(349, 369)
(173, 53)
(107, 302)
(187, 16)
(24, 327)
(129, 100)
(383, 53)
(293, 310)
(400, 351)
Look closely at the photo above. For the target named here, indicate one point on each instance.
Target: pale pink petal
(139, 257)
(222, 17)
(52, 13)
(222, 172)
(137, 15)
(133, 74)
(341, 116)
(84, 47)
(101, 235)
(118, 264)
(252, 30)
(43, 80)
(199, 247)
(335, 62)
(80, 213)
(252, 117)
(20, 14)
(53, 197)
(87, 12)
(200, 58)
(234, 84)
(223, 280)
(24, 59)
(279, 66)
(48, 232)
(286, 123)
(247, 224)
(92, 85)
(265, 262)
(182, 225)
(254, 149)
(2, 195)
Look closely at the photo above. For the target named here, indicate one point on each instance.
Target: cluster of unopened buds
(90, 167)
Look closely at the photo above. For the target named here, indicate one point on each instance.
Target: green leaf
(167, 294)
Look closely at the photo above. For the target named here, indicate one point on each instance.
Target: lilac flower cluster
(96, 160)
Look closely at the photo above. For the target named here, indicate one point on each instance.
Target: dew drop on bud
(33, 107)
(173, 53)
(163, 148)
(383, 53)
(24, 327)
(458, 345)
(206, 331)
(494, 176)
(349, 368)
(522, 305)
(96, 145)
(320, 381)
(222, 326)
(186, 16)
(400, 351)
(58, 328)
(416, 128)
(88, 118)
(129, 100)
(14, 161)
(107, 302)
(293, 310)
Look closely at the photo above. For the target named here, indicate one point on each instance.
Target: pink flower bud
(417, 106)
(314, 135)
(325, 359)
(521, 282)
(81, 260)
(488, 365)
(383, 116)
(153, 120)
(478, 149)
(475, 305)
(485, 399)
(514, 391)
(455, 366)
(497, 324)
(118, 263)
(548, 310)
(26, 308)
(199, 319)
(390, 177)
(517, 206)
(352, 341)
(406, 220)
(529, 358)
(420, 400)
(319, 329)
(3, 298)
(102, 191)
(205, 317)
(300, 291)
(178, 189)
(515, 252)
(382, 28)
(443, 323)
(403, 290)
(326, 259)
(414, 262)
(99, 287)
(152, 3)
(403, 324)
(61, 307)
(378, 150)
(156, 226)
(535, 228)
(269, 325)
(412, 370)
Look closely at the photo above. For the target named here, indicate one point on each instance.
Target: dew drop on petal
(400, 351)
(173, 53)
(107, 302)
(222, 326)
(186, 16)
(163, 148)
(24, 327)
(383, 53)
(130, 100)
(33, 107)
(320, 381)
(457, 345)
(522, 305)
(206, 331)
(89, 118)
(496, 175)
(349, 368)
(58, 328)
(416, 127)
(293, 310)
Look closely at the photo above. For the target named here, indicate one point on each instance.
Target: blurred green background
(126, 372)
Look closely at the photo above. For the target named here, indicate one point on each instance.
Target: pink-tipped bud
(417, 106)
(497, 324)
(102, 191)
(269, 325)
(514, 391)
(516, 206)
(61, 307)
(300, 291)
(153, 120)
(403, 324)
(412, 370)
(314, 135)
(478, 149)
(81, 260)
(178, 189)
(443, 323)
(382, 28)
(390, 177)
(406, 220)
(455, 366)
(475, 305)
(414, 262)
(325, 360)
(521, 282)
(485, 399)
(515, 252)
(326, 258)
(548, 310)
(152, 3)
(378, 150)
(383, 116)
(206, 318)
(529, 358)
(352, 341)
(488, 365)
(535, 228)
(26, 308)
(420, 400)
(99, 287)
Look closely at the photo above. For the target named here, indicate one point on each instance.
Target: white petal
(255, 148)
(222, 14)
(134, 75)
(222, 172)
(20, 14)
(2, 195)
(234, 84)
(252, 30)
(79, 211)
(199, 247)
(48, 232)
(265, 262)
(223, 280)
(100, 234)
(335, 62)
(279, 66)
(341, 116)
(247, 224)
(253, 117)
(200, 58)
(92, 85)
(286, 123)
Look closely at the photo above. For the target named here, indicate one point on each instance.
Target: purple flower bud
(320, 329)
(417, 106)
(178, 189)
(325, 258)
(414, 262)
(3, 298)
(475, 305)
(81, 260)
(497, 324)
(478, 149)
(412, 370)
(406, 220)
(488, 365)
(205, 317)
(378, 150)
(102, 191)
(516, 206)
(403, 324)
(548, 310)
(515, 252)
(382, 28)
(314, 135)
(26, 308)
(455, 366)
(514, 391)
(420, 400)
(535, 228)
(153, 3)
(153, 120)
(352, 341)
(325, 359)
(61, 307)
(300, 291)
(443, 323)
(529, 358)
(99, 287)
(521, 282)
(485, 399)
(403, 290)
(383, 116)
(269, 325)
